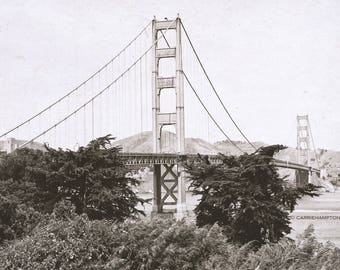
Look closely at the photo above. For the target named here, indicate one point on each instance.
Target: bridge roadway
(165, 158)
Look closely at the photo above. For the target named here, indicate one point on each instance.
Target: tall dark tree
(246, 195)
(14, 183)
(13, 166)
(93, 178)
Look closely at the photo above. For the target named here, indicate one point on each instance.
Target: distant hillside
(227, 147)
(330, 160)
(10, 144)
(142, 143)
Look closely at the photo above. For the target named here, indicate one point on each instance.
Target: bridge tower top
(174, 83)
(303, 139)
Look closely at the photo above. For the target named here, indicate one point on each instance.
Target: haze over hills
(142, 143)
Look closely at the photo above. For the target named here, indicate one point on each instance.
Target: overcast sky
(269, 59)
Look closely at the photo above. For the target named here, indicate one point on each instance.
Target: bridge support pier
(302, 177)
(156, 200)
(169, 191)
(182, 210)
(310, 176)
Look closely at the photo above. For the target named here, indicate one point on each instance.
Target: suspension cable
(210, 115)
(98, 94)
(217, 95)
(80, 85)
(314, 150)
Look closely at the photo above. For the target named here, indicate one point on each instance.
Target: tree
(93, 178)
(245, 195)
(13, 166)
(15, 186)
(7, 214)
(16, 220)
(17, 194)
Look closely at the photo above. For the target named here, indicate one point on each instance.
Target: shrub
(70, 241)
(16, 220)
(306, 253)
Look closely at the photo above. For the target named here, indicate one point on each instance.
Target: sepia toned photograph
(165, 135)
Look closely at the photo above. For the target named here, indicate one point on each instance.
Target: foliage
(13, 166)
(15, 186)
(16, 220)
(71, 241)
(246, 196)
(167, 244)
(306, 253)
(7, 217)
(21, 192)
(93, 178)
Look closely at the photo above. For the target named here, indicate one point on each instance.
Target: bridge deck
(164, 158)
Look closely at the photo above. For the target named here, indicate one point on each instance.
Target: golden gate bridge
(146, 86)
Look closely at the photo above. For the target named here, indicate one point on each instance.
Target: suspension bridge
(146, 86)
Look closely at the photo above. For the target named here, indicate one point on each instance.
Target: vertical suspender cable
(141, 89)
(80, 85)
(84, 127)
(314, 149)
(93, 97)
(92, 120)
(213, 87)
(212, 118)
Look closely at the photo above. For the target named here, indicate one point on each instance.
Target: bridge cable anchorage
(98, 94)
(80, 85)
(314, 149)
(213, 87)
(210, 115)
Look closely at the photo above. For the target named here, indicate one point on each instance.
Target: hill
(142, 143)
(10, 144)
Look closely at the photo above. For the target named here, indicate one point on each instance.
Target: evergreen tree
(246, 195)
(93, 178)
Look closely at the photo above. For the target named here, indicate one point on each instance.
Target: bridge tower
(303, 147)
(168, 182)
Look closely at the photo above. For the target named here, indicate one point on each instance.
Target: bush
(7, 217)
(16, 220)
(70, 241)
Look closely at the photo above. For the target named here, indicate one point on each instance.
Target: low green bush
(16, 220)
(71, 241)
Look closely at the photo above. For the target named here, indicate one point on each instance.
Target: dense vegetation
(69, 241)
(93, 179)
(246, 196)
(63, 209)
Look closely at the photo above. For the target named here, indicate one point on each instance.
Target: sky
(270, 60)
